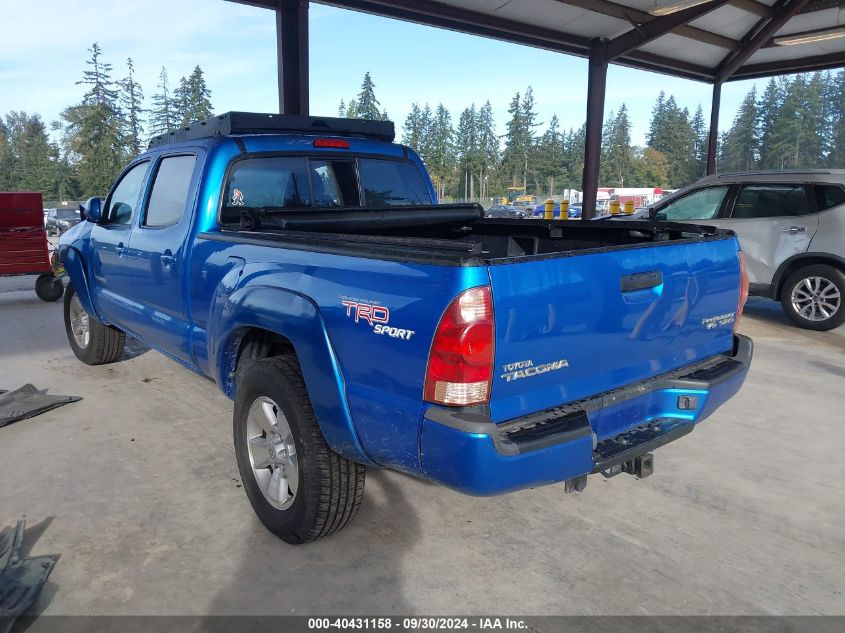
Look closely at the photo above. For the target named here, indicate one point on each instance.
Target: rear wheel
(49, 288)
(300, 489)
(94, 343)
(813, 297)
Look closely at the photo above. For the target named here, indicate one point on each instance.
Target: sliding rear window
(297, 183)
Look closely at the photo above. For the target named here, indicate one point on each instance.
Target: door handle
(794, 229)
(119, 249)
(167, 260)
(640, 281)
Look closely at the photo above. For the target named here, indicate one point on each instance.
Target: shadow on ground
(360, 568)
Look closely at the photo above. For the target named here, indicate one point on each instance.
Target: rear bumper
(469, 452)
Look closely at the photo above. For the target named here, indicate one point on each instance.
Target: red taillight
(743, 288)
(460, 364)
(334, 143)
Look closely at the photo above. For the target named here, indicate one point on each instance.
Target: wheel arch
(796, 262)
(258, 322)
(74, 264)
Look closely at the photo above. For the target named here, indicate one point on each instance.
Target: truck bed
(456, 235)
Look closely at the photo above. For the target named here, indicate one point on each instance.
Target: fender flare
(75, 268)
(779, 277)
(298, 319)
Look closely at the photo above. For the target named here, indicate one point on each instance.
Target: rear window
(770, 201)
(280, 183)
(828, 196)
(392, 183)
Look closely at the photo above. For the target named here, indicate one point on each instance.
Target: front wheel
(300, 489)
(92, 342)
(812, 297)
(48, 287)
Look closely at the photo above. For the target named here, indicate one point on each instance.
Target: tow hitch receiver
(641, 467)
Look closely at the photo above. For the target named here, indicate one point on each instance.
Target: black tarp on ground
(21, 577)
(28, 401)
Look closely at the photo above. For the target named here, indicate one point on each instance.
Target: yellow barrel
(629, 207)
(614, 207)
(564, 209)
(550, 210)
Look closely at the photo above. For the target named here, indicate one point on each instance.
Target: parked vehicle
(505, 211)
(24, 249)
(791, 225)
(55, 216)
(304, 264)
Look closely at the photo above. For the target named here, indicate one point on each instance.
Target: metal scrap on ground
(21, 578)
(27, 402)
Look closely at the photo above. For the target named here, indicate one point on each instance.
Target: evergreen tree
(367, 106)
(131, 101)
(466, 140)
(164, 115)
(836, 97)
(768, 110)
(193, 98)
(700, 137)
(414, 130)
(671, 133)
(616, 149)
(93, 129)
(5, 158)
(441, 157)
(32, 155)
(739, 145)
(341, 109)
(519, 138)
(488, 147)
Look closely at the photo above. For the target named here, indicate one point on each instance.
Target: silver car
(791, 225)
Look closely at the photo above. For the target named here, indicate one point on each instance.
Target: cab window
(124, 197)
(770, 201)
(703, 204)
(169, 195)
(277, 182)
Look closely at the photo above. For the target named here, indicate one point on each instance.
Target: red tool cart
(24, 249)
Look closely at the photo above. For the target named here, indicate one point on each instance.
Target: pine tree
(164, 116)
(414, 128)
(367, 106)
(93, 129)
(441, 159)
(739, 144)
(466, 141)
(341, 109)
(516, 150)
(131, 101)
(193, 98)
(5, 158)
(700, 138)
(616, 149)
(488, 147)
(836, 97)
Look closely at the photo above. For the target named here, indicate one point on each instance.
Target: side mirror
(92, 209)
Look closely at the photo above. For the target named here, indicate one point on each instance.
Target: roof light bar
(810, 37)
(659, 9)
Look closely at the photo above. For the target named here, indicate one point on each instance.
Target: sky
(45, 44)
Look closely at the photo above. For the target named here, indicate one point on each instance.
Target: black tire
(49, 288)
(330, 487)
(830, 275)
(105, 343)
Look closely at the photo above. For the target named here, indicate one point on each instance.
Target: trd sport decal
(376, 316)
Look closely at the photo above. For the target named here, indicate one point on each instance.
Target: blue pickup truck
(304, 264)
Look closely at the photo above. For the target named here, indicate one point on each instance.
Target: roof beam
(653, 29)
(752, 6)
(803, 64)
(782, 11)
(621, 12)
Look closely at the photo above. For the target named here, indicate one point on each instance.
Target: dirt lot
(136, 487)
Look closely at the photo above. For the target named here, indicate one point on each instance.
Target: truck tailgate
(570, 327)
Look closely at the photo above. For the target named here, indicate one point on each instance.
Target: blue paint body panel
(366, 388)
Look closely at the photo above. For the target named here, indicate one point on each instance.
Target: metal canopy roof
(716, 41)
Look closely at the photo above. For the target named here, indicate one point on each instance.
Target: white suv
(791, 225)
